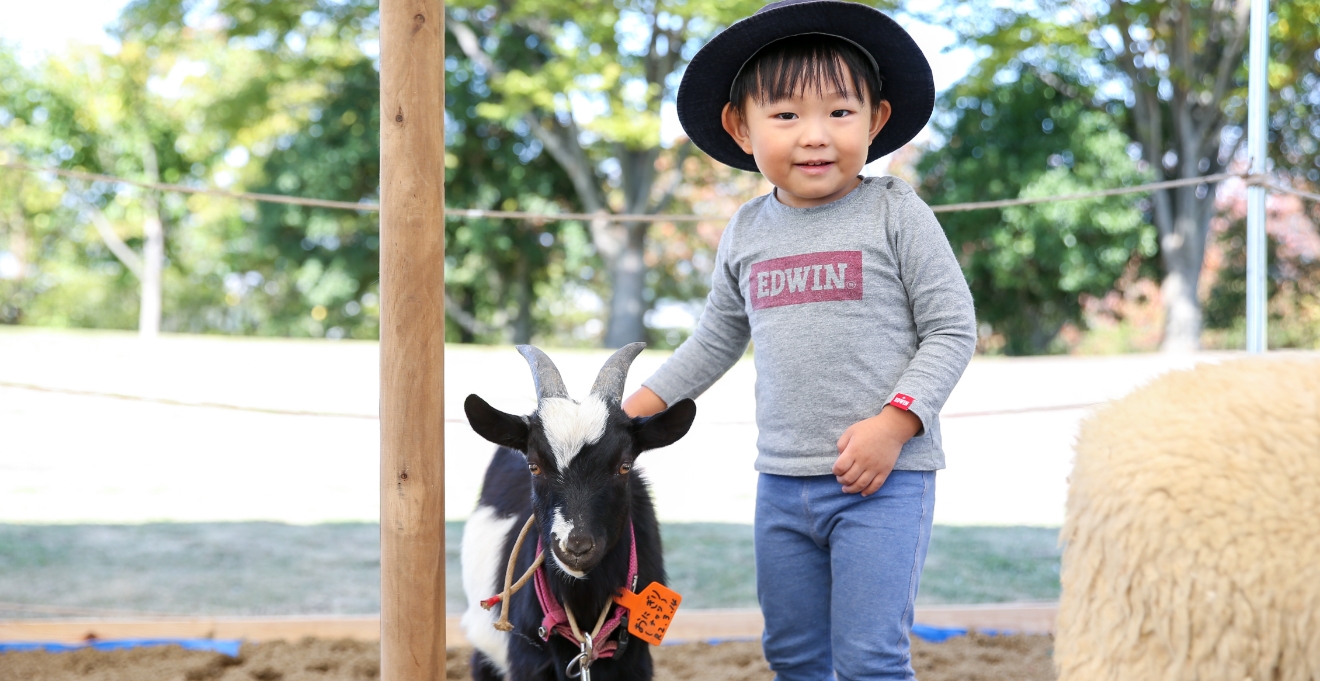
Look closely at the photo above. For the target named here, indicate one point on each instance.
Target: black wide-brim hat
(908, 85)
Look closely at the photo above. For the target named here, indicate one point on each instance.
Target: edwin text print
(807, 278)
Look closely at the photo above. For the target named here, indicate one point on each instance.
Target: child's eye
(786, 116)
(839, 113)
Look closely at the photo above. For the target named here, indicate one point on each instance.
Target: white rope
(372, 417)
(360, 206)
(1284, 189)
(1136, 189)
(631, 217)
(185, 189)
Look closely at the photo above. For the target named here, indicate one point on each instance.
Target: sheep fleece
(1192, 535)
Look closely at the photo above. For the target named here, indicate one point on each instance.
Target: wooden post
(412, 332)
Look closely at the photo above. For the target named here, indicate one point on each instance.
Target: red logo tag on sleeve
(903, 401)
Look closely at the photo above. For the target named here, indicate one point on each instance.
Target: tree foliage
(1177, 71)
(1292, 287)
(507, 279)
(591, 95)
(1028, 266)
(108, 114)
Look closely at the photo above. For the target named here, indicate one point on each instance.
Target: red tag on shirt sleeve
(902, 401)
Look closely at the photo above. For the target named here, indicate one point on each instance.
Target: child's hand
(868, 449)
(643, 403)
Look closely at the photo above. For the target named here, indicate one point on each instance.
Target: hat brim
(909, 86)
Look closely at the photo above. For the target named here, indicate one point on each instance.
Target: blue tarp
(941, 634)
(227, 646)
(923, 631)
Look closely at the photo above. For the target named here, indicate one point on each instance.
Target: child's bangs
(815, 64)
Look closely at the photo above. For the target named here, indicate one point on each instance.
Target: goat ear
(665, 428)
(505, 430)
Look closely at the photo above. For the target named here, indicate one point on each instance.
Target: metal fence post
(1258, 89)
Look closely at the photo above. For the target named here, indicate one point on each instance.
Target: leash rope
(511, 588)
(587, 642)
(600, 622)
(588, 655)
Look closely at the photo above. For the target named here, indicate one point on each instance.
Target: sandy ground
(68, 453)
(971, 658)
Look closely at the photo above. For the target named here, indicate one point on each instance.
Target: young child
(860, 316)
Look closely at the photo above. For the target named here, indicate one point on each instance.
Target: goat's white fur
(560, 530)
(483, 549)
(570, 426)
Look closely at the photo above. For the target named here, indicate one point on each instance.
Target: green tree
(309, 121)
(1177, 69)
(94, 112)
(1028, 266)
(594, 102)
(1293, 281)
(317, 269)
(324, 276)
(514, 274)
(523, 65)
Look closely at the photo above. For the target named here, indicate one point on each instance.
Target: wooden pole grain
(412, 318)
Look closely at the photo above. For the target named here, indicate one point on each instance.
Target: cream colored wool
(1192, 535)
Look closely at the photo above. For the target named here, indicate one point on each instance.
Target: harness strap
(558, 620)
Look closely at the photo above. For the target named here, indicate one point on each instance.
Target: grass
(991, 565)
(277, 569)
(193, 568)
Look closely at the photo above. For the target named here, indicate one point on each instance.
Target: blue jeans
(837, 574)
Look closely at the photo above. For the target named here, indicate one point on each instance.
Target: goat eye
(624, 468)
(535, 469)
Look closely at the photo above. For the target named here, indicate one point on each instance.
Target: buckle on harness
(582, 661)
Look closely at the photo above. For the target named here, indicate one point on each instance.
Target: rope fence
(475, 213)
(374, 417)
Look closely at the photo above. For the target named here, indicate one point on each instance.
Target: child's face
(810, 146)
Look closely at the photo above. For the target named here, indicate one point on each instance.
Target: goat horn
(544, 373)
(609, 382)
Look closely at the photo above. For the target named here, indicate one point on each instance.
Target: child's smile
(815, 167)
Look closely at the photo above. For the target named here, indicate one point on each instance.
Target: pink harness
(556, 620)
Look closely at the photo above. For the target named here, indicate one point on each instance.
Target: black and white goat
(571, 465)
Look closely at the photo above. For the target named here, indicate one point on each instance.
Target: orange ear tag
(650, 612)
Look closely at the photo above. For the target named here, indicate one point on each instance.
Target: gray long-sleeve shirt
(852, 306)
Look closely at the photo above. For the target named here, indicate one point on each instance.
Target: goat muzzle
(578, 553)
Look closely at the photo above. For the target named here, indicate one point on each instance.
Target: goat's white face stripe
(560, 529)
(570, 426)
